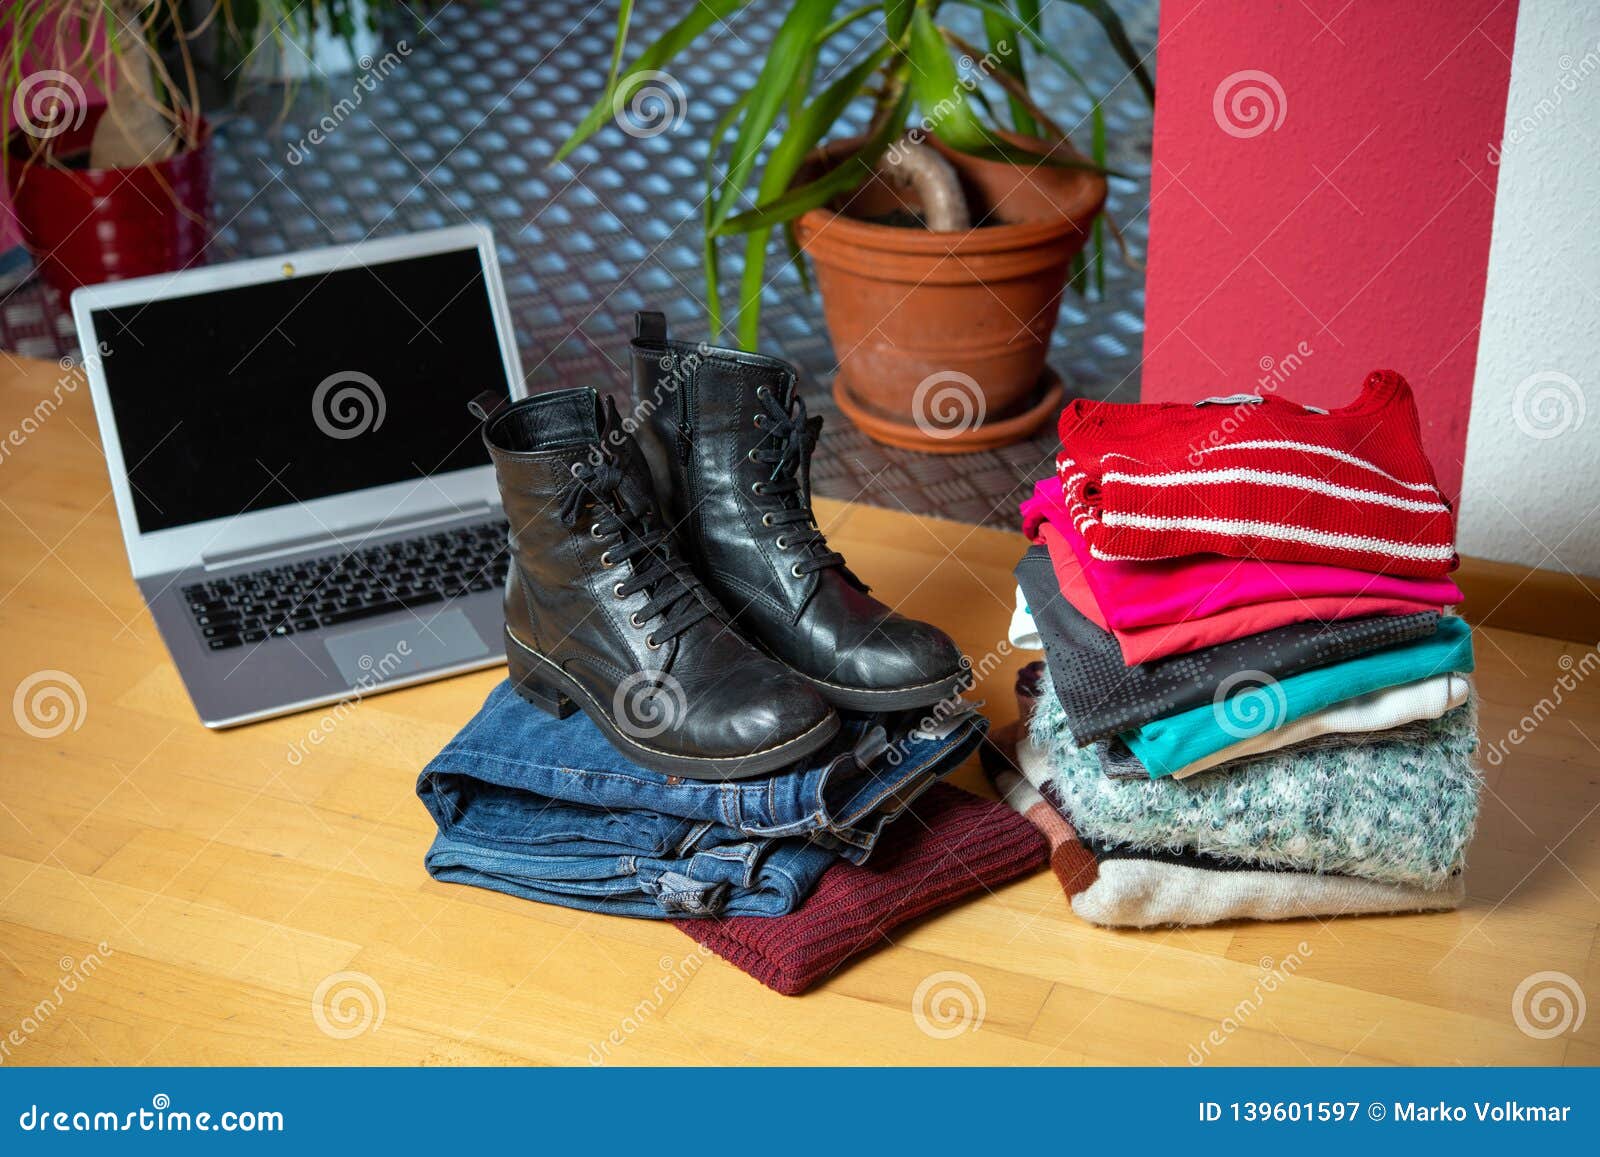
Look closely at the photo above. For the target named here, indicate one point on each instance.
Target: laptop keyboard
(338, 588)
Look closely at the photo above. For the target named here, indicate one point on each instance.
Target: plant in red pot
(117, 184)
(942, 239)
(112, 187)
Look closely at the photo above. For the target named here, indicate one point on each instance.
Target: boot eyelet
(795, 570)
(617, 591)
(758, 488)
(782, 542)
(751, 454)
(761, 421)
(576, 466)
(763, 392)
(766, 519)
(650, 641)
(633, 621)
(605, 560)
(594, 531)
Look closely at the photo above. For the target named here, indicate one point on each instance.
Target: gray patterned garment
(1101, 696)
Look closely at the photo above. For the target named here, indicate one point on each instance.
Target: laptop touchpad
(369, 656)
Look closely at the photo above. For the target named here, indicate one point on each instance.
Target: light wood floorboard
(226, 882)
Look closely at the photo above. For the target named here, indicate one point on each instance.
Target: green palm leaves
(899, 56)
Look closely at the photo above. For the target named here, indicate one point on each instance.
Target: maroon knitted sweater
(949, 845)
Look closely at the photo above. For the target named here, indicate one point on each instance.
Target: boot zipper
(685, 450)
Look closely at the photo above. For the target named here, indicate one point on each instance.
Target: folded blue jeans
(549, 810)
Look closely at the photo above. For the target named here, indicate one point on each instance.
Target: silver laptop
(307, 506)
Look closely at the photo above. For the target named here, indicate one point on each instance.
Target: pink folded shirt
(1145, 594)
(1142, 644)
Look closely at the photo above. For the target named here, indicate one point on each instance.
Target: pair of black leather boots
(668, 577)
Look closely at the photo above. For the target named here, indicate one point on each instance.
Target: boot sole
(891, 698)
(543, 684)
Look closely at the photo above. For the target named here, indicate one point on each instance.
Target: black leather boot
(604, 615)
(730, 446)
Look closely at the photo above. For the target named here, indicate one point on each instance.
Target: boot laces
(790, 439)
(627, 522)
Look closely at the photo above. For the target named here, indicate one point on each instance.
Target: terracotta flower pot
(90, 225)
(941, 337)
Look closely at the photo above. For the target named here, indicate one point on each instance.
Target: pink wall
(1325, 184)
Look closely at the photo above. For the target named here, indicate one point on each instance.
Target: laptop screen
(264, 395)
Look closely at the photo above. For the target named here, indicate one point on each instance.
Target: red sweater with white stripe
(1259, 477)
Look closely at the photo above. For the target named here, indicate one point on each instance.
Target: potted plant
(942, 239)
(107, 156)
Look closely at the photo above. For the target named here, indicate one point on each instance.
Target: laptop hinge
(347, 536)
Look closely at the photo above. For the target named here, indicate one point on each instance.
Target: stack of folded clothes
(546, 809)
(1256, 590)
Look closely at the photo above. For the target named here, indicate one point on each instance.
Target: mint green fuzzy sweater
(1400, 812)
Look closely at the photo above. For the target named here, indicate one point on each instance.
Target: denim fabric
(546, 809)
(622, 863)
(842, 795)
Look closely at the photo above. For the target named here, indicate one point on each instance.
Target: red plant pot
(85, 226)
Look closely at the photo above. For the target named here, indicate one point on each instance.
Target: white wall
(1531, 486)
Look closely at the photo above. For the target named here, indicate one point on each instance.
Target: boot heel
(537, 691)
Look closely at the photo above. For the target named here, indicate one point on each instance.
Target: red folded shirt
(1259, 477)
(949, 845)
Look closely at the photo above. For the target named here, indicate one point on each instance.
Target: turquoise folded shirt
(1256, 703)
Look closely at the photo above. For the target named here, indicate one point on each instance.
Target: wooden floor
(169, 895)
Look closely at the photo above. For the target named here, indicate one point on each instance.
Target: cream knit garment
(1140, 893)
(1379, 711)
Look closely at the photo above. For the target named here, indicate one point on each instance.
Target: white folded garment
(1393, 706)
(1024, 633)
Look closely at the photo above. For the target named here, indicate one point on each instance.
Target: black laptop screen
(266, 395)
